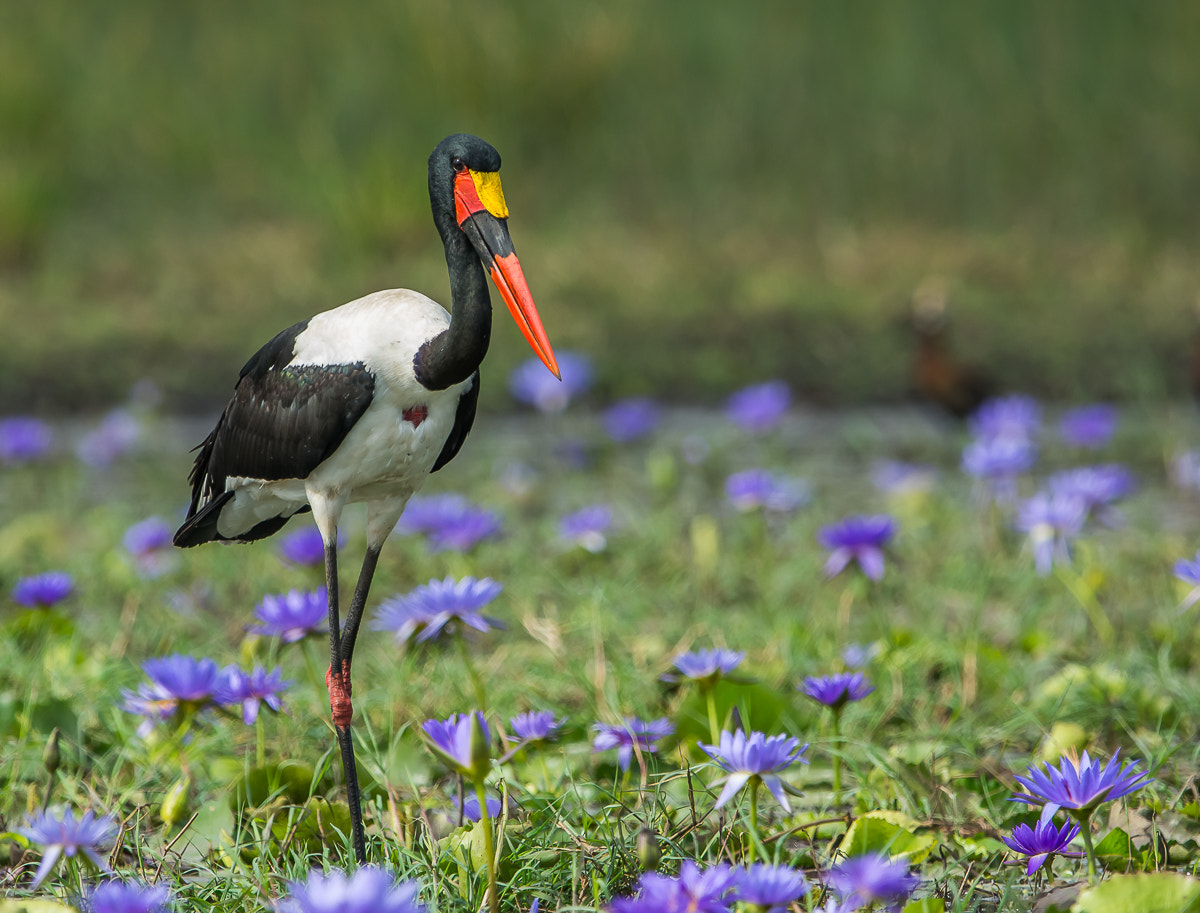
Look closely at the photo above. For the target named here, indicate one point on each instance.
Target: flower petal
(53, 851)
(733, 783)
(838, 559)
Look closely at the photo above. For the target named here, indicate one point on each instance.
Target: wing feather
(464, 418)
(283, 421)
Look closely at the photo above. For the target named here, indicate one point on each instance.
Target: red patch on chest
(414, 415)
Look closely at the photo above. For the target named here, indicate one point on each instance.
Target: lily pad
(34, 906)
(888, 832)
(1157, 892)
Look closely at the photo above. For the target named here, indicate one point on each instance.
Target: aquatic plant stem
(472, 674)
(489, 847)
(260, 753)
(756, 844)
(837, 750)
(714, 728)
(1085, 595)
(1085, 829)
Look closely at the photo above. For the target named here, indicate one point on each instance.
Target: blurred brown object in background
(937, 377)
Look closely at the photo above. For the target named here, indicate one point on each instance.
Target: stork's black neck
(455, 354)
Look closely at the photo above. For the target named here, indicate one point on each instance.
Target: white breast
(385, 456)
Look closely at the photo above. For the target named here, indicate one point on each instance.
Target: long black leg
(358, 603)
(341, 708)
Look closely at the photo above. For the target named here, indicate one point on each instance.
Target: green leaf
(260, 785)
(208, 830)
(1115, 850)
(8, 716)
(1158, 892)
(757, 705)
(52, 713)
(34, 906)
(323, 824)
(980, 847)
(925, 905)
(888, 832)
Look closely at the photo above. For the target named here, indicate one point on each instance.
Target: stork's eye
(458, 164)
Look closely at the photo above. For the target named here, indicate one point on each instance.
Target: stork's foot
(339, 697)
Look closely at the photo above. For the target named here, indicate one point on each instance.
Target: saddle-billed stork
(361, 403)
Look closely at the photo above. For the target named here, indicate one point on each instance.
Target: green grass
(757, 192)
(979, 660)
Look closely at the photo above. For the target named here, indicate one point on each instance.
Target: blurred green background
(704, 193)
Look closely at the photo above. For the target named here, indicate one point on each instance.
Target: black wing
(283, 420)
(464, 418)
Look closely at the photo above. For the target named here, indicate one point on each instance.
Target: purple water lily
(66, 835)
(126, 897)
(1009, 417)
(1082, 784)
(710, 890)
(1051, 521)
(1091, 427)
(771, 888)
(469, 808)
(1098, 487)
(439, 607)
(425, 513)
(463, 532)
(871, 878)
(149, 545)
(531, 384)
(857, 539)
(366, 890)
(760, 407)
(41, 591)
(855, 656)
(631, 419)
(998, 462)
(305, 547)
(752, 489)
(1189, 572)
(293, 615)
(1184, 470)
(177, 682)
(644, 734)
(755, 758)
(116, 435)
(838, 689)
(535, 726)
(1042, 842)
(449, 521)
(587, 528)
(24, 439)
(462, 741)
(252, 690)
(705, 665)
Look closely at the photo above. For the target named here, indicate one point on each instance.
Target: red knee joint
(339, 697)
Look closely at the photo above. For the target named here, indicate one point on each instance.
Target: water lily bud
(663, 470)
(1063, 737)
(648, 853)
(176, 804)
(706, 544)
(51, 756)
(481, 749)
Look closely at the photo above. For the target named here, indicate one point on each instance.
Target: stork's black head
(471, 152)
(467, 199)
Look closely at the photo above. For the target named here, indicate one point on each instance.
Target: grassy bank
(755, 191)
